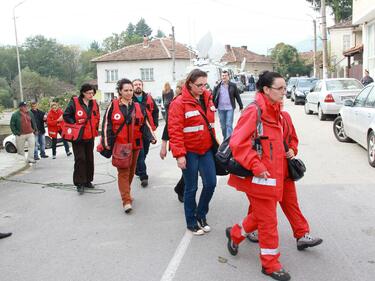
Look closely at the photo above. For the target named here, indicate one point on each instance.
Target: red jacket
(54, 126)
(272, 159)
(187, 129)
(91, 127)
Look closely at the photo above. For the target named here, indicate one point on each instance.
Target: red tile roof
(236, 54)
(157, 49)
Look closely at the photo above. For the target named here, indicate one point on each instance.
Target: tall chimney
(227, 48)
(145, 41)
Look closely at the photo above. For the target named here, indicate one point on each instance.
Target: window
(345, 42)
(111, 75)
(318, 87)
(370, 102)
(147, 74)
(108, 97)
(338, 85)
(361, 98)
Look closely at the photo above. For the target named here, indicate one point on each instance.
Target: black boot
(281, 275)
(80, 189)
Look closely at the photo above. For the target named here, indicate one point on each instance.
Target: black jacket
(39, 119)
(154, 113)
(233, 94)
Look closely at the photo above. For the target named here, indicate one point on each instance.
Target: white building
(364, 14)
(151, 61)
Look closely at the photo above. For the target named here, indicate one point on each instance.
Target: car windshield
(307, 83)
(338, 85)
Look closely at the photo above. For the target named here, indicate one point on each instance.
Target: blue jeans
(226, 122)
(40, 139)
(206, 166)
(141, 169)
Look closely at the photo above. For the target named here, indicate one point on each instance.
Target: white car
(9, 143)
(328, 96)
(356, 121)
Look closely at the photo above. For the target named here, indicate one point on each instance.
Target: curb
(11, 174)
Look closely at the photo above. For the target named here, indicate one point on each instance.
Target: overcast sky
(258, 24)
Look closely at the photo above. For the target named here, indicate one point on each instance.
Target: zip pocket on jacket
(271, 150)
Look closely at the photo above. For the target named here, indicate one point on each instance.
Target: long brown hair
(166, 88)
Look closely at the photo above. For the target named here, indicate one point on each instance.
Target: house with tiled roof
(254, 63)
(150, 61)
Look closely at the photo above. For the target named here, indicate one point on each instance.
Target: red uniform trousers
(125, 178)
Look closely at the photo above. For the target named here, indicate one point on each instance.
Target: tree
(8, 62)
(6, 99)
(341, 9)
(130, 30)
(141, 28)
(160, 34)
(288, 61)
(95, 46)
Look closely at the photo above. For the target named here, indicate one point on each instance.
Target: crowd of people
(128, 129)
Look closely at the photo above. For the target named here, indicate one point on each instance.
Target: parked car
(291, 82)
(301, 89)
(329, 95)
(356, 121)
(9, 143)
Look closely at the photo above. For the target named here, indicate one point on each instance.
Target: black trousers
(83, 162)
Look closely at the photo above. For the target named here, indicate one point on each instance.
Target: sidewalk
(11, 163)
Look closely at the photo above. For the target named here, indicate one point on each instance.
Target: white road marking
(174, 263)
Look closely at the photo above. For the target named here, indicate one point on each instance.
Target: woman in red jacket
(126, 122)
(266, 161)
(191, 117)
(54, 124)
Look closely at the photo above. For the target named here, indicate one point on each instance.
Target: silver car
(328, 96)
(356, 121)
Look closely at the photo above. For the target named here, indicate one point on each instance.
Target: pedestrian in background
(225, 94)
(266, 162)
(251, 83)
(367, 79)
(55, 123)
(125, 122)
(167, 96)
(83, 110)
(40, 140)
(23, 126)
(180, 186)
(190, 120)
(149, 105)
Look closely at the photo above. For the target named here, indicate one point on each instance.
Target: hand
(163, 150)
(264, 175)
(290, 154)
(107, 147)
(181, 162)
(60, 118)
(241, 110)
(153, 141)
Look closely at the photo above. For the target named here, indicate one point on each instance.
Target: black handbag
(296, 167)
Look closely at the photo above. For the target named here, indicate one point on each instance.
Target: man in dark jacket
(367, 79)
(149, 105)
(225, 94)
(23, 126)
(40, 141)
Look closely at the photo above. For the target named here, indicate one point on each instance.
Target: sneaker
(144, 182)
(80, 189)
(128, 208)
(253, 236)
(44, 156)
(232, 247)
(90, 185)
(204, 225)
(180, 198)
(281, 275)
(53, 156)
(308, 241)
(68, 153)
(196, 230)
(36, 158)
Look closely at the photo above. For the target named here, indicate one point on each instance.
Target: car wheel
(338, 130)
(296, 102)
(10, 148)
(371, 148)
(307, 110)
(321, 115)
(291, 98)
(48, 142)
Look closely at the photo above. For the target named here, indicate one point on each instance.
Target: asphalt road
(60, 235)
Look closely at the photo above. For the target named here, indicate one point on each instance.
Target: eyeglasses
(279, 88)
(200, 85)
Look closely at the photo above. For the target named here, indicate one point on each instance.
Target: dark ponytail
(266, 79)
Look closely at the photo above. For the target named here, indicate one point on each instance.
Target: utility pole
(315, 50)
(18, 54)
(173, 55)
(324, 39)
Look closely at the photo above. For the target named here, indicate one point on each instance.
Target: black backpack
(224, 153)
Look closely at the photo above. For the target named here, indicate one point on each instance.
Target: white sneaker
(128, 208)
(204, 225)
(308, 241)
(196, 230)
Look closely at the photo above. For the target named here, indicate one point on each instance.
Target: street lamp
(18, 54)
(315, 46)
(173, 51)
